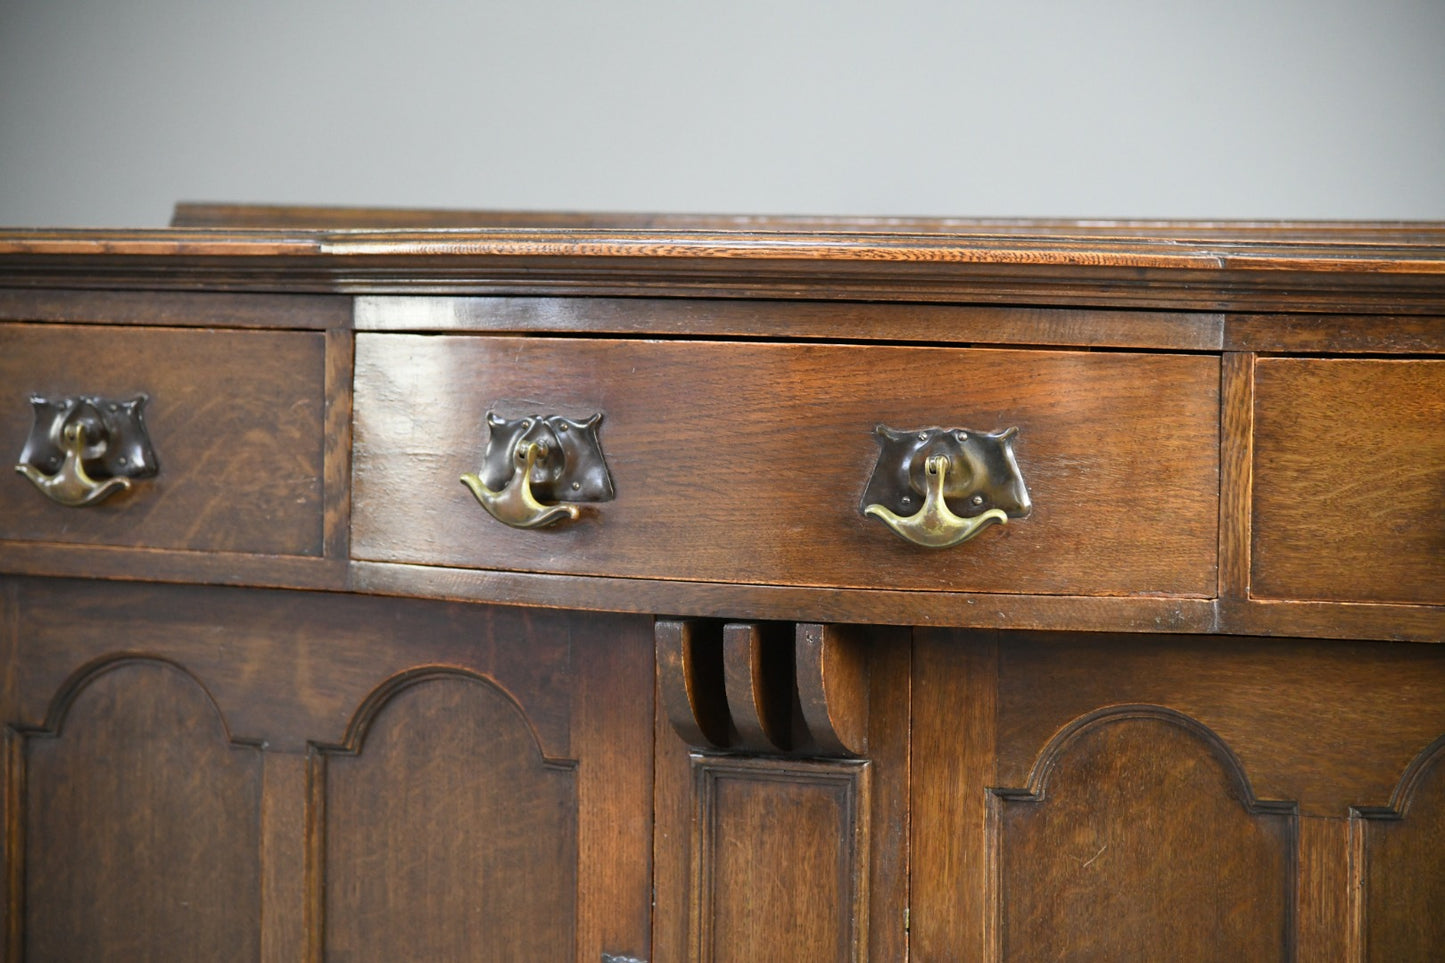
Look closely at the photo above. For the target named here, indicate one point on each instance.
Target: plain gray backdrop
(110, 111)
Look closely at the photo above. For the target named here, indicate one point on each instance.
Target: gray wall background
(111, 110)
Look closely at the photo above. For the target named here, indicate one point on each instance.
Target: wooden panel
(289, 668)
(1081, 613)
(1330, 727)
(955, 716)
(1335, 334)
(703, 436)
(781, 860)
(1349, 476)
(1404, 876)
(1140, 842)
(936, 323)
(612, 741)
(208, 309)
(449, 836)
(752, 812)
(235, 418)
(141, 825)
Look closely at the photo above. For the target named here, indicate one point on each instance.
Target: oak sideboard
(400, 585)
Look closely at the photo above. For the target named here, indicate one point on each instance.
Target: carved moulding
(798, 689)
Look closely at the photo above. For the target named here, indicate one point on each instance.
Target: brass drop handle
(539, 469)
(514, 504)
(83, 449)
(975, 469)
(934, 525)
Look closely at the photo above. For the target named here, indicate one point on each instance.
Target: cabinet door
(1097, 798)
(239, 775)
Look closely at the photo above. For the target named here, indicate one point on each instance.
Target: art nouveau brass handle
(83, 449)
(530, 463)
(975, 469)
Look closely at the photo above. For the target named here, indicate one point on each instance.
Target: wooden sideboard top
(1220, 266)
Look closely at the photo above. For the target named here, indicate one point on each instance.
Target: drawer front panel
(1349, 480)
(235, 418)
(746, 463)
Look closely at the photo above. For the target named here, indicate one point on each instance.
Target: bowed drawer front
(747, 462)
(234, 419)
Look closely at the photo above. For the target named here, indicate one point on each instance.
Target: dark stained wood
(449, 834)
(883, 850)
(808, 320)
(1327, 896)
(781, 860)
(12, 782)
(702, 436)
(292, 670)
(12, 844)
(674, 807)
(1141, 841)
(286, 827)
(1236, 463)
(336, 457)
(1404, 874)
(758, 678)
(1143, 723)
(1386, 270)
(1329, 727)
(274, 695)
(167, 565)
(612, 739)
(882, 606)
(141, 823)
(1334, 334)
(692, 693)
(236, 418)
(1350, 468)
(954, 891)
(1334, 620)
(178, 309)
(832, 674)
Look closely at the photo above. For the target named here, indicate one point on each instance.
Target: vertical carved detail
(765, 687)
(780, 860)
(832, 675)
(1139, 837)
(758, 679)
(448, 834)
(690, 669)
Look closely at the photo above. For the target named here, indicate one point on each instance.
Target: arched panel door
(1140, 839)
(448, 834)
(141, 824)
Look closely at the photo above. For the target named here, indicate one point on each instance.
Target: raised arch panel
(447, 834)
(1139, 839)
(141, 824)
(1405, 869)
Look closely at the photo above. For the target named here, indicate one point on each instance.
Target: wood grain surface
(235, 417)
(1349, 492)
(747, 462)
(259, 755)
(1254, 268)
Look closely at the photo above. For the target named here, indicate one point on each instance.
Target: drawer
(747, 462)
(234, 417)
(1349, 480)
